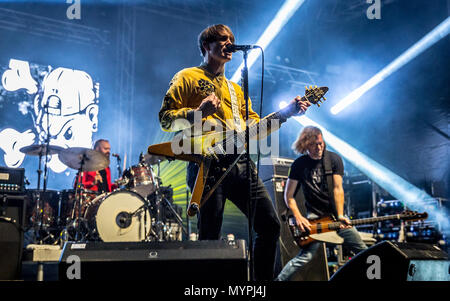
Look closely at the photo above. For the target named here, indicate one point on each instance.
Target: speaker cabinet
(287, 246)
(12, 216)
(317, 268)
(393, 261)
(174, 260)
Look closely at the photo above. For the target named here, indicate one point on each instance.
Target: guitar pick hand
(209, 105)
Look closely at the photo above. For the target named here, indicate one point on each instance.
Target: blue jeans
(352, 240)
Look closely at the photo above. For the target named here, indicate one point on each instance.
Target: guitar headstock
(413, 215)
(315, 95)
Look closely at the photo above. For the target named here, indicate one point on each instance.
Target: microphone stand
(244, 81)
(41, 197)
(119, 169)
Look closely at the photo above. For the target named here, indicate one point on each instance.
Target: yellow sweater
(187, 90)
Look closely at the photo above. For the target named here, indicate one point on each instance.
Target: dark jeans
(234, 187)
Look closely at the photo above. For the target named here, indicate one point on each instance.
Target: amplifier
(12, 180)
(187, 260)
(12, 216)
(274, 167)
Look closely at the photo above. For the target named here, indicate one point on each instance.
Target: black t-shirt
(311, 176)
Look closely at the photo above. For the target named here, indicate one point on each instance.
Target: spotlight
(282, 17)
(423, 44)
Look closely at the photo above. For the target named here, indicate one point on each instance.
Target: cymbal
(153, 159)
(93, 160)
(41, 149)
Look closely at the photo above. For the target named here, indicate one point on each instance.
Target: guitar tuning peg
(318, 104)
(324, 98)
(315, 86)
(310, 87)
(306, 87)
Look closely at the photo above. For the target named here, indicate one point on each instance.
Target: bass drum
(118, 217)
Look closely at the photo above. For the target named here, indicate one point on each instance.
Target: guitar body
(318, 226)
(165, 149)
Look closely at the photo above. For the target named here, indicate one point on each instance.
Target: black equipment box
(274, 167)
(12, 180)
(192, 260)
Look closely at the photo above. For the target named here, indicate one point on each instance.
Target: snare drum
(119, 216)
(140, 179)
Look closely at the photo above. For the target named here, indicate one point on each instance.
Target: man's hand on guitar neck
(296, 107)
(303, 104)
(345, 222)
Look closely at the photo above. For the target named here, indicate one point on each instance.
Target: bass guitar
(329, 223)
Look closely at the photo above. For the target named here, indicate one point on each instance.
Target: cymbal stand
(38, 200)
(79, 195)
(161, 199)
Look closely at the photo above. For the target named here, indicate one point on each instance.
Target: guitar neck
(366, 221)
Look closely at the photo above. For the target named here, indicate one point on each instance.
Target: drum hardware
(40, 150)
(160, 200)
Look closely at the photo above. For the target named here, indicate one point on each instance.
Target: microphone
(115, 155)
(234, 48)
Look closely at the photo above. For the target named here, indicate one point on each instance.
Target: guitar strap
(234, 106)
(326, 160)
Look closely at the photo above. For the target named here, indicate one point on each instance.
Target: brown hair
(305, 138)
(97, 143)
(213, 33)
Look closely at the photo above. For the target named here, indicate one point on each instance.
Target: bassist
(309, 173)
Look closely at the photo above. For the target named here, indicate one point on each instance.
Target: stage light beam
(423, 44)
(281, 18)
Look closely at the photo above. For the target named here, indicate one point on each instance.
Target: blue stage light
(423, 44)
(282, 17)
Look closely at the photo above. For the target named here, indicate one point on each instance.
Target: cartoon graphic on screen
(63, 104)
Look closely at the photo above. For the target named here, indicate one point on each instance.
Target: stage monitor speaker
(12, 216)
(394, 261)
(174, 260)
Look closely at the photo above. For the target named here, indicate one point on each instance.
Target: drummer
(99, 181)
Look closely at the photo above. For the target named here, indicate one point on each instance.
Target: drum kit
(140, 209)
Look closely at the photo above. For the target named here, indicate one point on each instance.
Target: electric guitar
(204, 149)
(329, 223)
